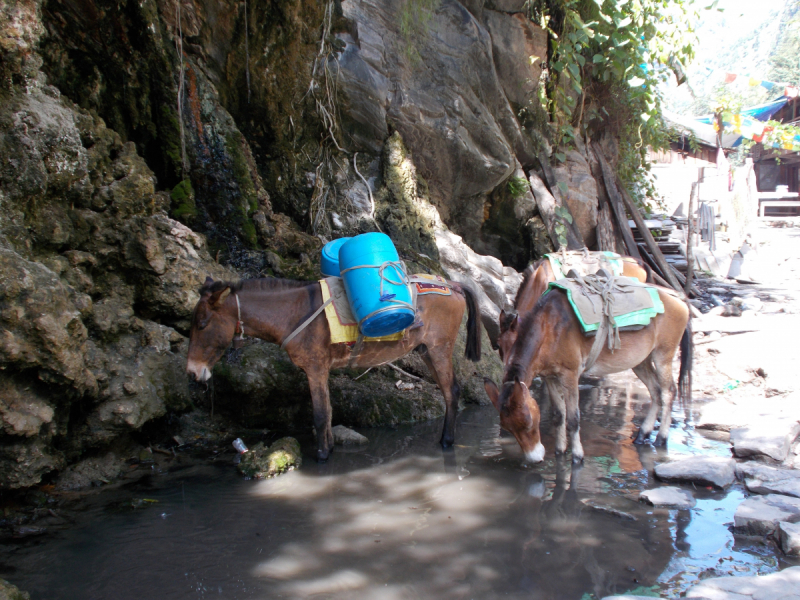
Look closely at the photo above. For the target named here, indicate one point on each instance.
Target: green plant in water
(518, 187)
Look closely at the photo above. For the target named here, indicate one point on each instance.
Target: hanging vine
(605, 59)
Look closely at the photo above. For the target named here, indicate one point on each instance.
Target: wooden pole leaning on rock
(655, 251)
(547, 204)
(689, 240)
(617, 207)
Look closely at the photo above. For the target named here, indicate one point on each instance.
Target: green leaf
(635, 82)
(598, 58)
(560, 156)
(561, 185)
(568, 217)
(573, 68)
(581, 60)
(558, 66)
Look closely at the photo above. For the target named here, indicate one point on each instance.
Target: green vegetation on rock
(261, 463)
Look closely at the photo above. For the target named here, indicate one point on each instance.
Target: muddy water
(400, 519)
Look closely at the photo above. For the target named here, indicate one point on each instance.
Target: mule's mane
(527, 274)
(263, 283)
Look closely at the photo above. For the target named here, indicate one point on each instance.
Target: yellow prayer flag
(754, 82)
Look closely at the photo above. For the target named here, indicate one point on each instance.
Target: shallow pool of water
(401, 519)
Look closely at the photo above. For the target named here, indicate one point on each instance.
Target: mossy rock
(260, 462)
(12, 592)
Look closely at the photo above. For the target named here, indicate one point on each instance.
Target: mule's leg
(572, 398)
(558, 412)
(440, 362)
(647, 374)
(320, 398)
(663, 371)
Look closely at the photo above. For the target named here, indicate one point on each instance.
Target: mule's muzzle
(536, 455)
(198, 372)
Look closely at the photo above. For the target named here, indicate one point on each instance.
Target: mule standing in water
(534, 283)
(272, 309)
(551, 344)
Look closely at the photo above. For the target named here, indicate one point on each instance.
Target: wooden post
(690, 240)
(616, 205)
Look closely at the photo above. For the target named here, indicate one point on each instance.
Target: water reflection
(403, 519)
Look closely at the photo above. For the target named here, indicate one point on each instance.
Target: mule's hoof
(577, 460)
(323, 455)
(641, 438)
(661, 442)
(446, 443)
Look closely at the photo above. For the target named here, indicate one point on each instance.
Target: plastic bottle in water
(239, 445)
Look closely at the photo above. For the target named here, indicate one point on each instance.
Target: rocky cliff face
(145, 145)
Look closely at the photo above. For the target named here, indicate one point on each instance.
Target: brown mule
(271, 309)
(534, 283)
(551, 344)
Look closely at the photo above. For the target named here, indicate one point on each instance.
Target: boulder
(760, 515)
(705, 470)
(457, 120)
(789, 537)
(668, 497)
(12, 592)
(783, 584)
(514, 36)
(767, 437)
(347, 437)
(581, 195)
(90, 471)
(762, 479)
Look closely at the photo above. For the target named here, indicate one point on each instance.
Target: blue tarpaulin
(762, 112)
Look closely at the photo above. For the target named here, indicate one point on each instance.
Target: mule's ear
(218, 297)
(209, 281)
(514, 323)
(491, 391)
(502, 321)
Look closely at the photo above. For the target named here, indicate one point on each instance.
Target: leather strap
(305, 323)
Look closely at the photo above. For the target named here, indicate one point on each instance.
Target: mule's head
(508, 334)
(519, 415)
(212, 330)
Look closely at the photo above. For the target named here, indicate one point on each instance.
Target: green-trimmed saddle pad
(636, 305)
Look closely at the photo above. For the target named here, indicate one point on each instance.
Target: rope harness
(400, 270)
(604, 285)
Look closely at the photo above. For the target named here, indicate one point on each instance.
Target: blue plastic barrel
(330, 257)
(374, 281)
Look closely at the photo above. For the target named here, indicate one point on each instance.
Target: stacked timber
(664, 232)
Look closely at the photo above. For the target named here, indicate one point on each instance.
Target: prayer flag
(790, 92)
(754, 82)
(768, 84)
(730, 77)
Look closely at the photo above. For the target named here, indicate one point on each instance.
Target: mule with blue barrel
(393, 314)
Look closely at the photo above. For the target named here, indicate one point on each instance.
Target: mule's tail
(473, 349)
(687, 357)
